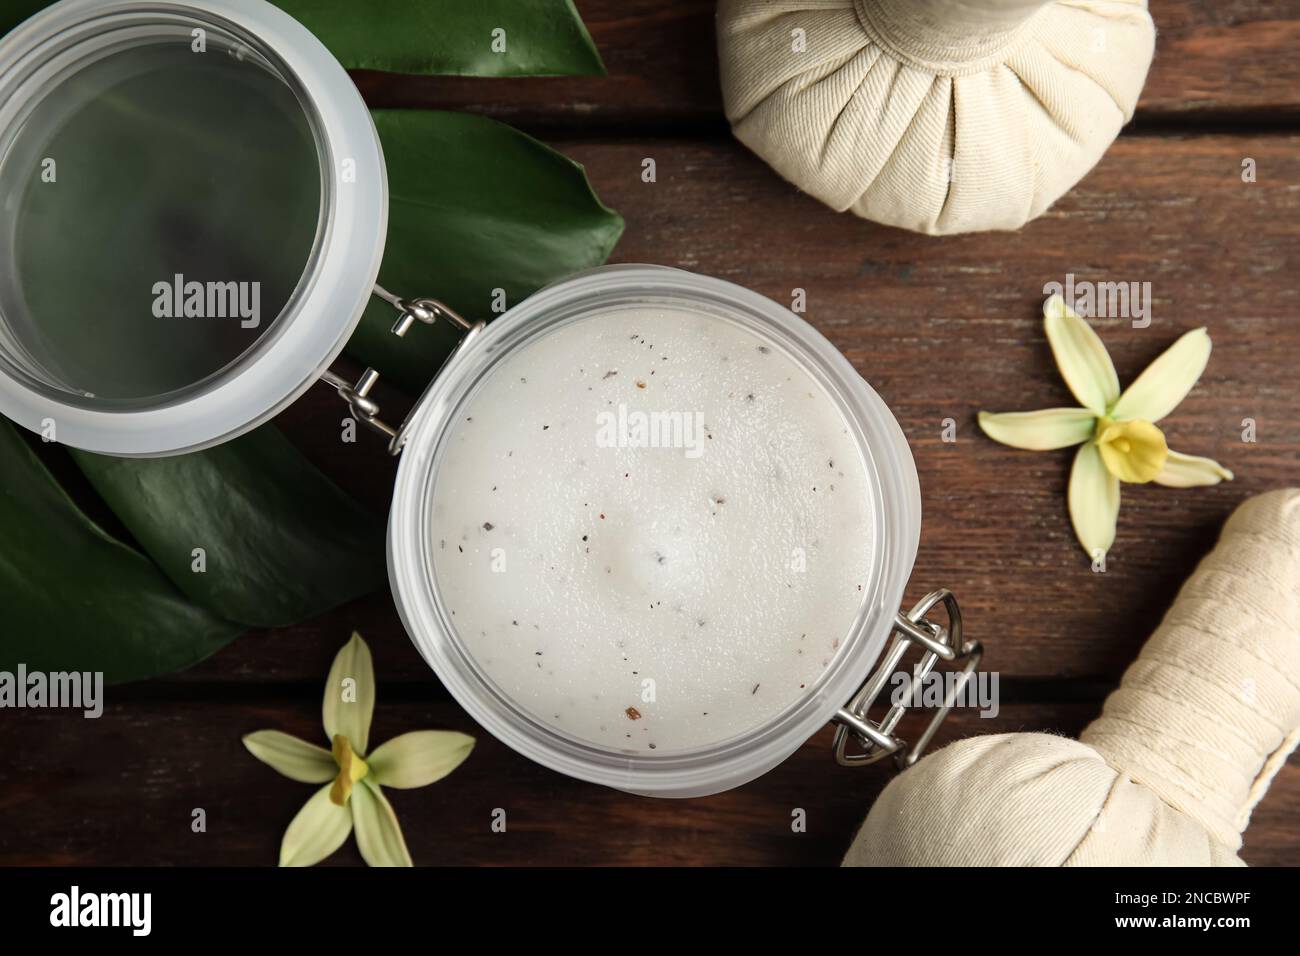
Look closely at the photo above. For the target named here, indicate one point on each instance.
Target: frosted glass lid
(194, 209)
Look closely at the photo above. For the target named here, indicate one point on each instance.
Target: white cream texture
(651, 599)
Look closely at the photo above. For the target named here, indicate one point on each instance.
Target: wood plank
(1212, 59)
(1225, 58)
(943, 328)
(120, 790)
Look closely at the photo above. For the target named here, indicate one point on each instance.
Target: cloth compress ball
(1170, 771)
(939, 116)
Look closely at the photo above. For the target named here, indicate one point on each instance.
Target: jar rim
(895, 509)
(338, 278)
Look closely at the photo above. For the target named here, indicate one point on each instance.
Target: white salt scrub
(651, 529)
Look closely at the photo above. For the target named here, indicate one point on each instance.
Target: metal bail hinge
(876, 739)
(357, 396)
(423, 309)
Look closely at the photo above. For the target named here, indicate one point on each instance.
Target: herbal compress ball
(939, 116)
(1170, 771)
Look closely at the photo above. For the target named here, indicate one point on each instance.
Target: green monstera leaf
(249, 527)
(453, 37)
(441, 37)
(76, 598)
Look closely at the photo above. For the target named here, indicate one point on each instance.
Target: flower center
(351, 769)
(1133, 451)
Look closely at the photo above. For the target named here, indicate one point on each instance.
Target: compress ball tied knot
(940, 116)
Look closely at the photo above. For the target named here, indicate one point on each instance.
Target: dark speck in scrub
(487, 525)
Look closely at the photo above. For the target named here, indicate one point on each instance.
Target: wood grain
(121, 790)
(1227, 61)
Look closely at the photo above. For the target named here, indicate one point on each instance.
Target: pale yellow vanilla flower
(354, 798)
(1116, 430)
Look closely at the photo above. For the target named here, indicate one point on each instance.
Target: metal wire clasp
(410, 311)
(876, 739)
(424, 310)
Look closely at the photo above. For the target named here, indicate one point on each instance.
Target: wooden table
(940, 327)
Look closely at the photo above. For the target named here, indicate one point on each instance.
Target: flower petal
(296, 759)
(1041, 430)
(1166, 381)
(1191, 471)
(379, 837)
(1133, 451)
(317, 831)
(1094, 501)
(1083, 360)
(419, 758)
(350, 695)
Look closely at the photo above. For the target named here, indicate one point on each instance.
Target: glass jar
(894, 509)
